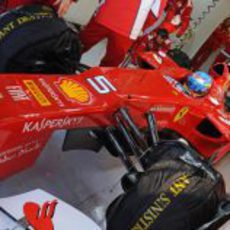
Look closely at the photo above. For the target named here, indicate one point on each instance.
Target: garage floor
(84, 179)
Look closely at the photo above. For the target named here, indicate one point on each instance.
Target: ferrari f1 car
(115, 107)
(34, 106)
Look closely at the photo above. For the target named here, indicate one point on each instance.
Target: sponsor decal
(44, 124)
(17, 93)
(163, 109)
(181, 114)
(40, 217)
(73, 91)
(37, 93)
(102, 85)
(52, 93)
(18, 151)
(160, 204)
(176, 85)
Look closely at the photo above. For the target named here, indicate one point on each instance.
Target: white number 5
(101, 84)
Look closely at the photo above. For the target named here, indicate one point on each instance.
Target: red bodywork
(156, 60)
(34, 106)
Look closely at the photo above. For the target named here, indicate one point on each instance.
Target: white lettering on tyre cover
(38, 126)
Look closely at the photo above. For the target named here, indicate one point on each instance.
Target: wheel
(164, 191)
(46, 45)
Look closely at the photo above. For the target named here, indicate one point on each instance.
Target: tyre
(179, 191)
(39, 42)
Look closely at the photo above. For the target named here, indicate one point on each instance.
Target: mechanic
(178, 13)
(60, 5)
(156, 41)
(220, 38)
(198, 84)
(121, 23)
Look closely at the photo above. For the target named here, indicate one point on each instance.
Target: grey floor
(84, 179)
(87, 180)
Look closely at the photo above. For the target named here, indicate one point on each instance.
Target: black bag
(34, 40)
(179, 191)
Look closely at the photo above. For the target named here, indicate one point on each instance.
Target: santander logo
(40, 217)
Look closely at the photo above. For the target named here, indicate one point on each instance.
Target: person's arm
(62, 6)
(185, 17)
(158, 7)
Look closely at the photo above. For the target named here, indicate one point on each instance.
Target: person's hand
(63, 6)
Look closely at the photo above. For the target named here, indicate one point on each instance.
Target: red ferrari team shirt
(127, 17)
(178, 21)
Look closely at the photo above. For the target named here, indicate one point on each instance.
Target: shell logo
(74, 91)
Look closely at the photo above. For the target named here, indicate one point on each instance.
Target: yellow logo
(181, 114)
(162, 201)
(37, 93)
(74, 91)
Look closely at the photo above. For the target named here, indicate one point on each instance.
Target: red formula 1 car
(34, 106)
